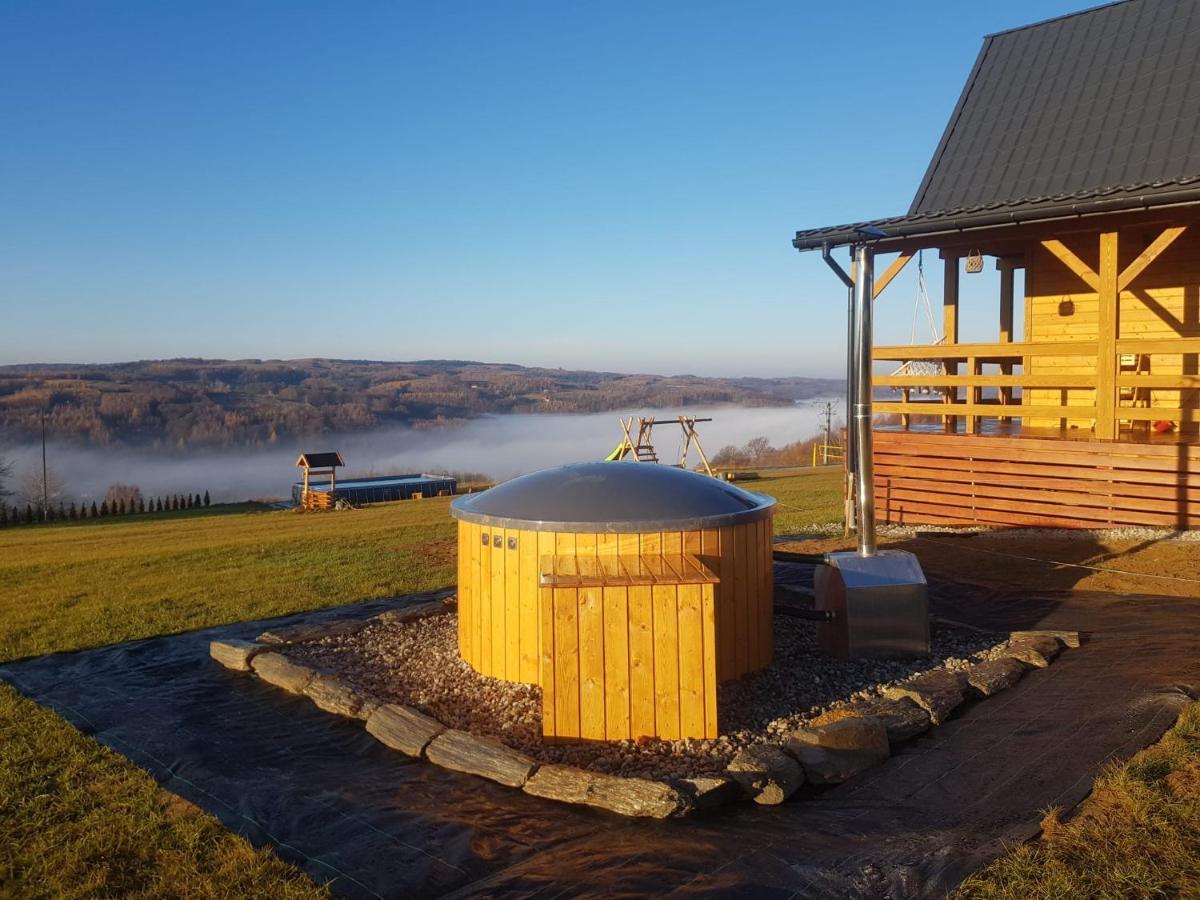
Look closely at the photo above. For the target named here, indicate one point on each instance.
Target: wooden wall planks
(967, 479)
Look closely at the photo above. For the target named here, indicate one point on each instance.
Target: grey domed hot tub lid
(613, 497)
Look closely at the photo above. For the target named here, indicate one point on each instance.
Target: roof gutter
(812, 240)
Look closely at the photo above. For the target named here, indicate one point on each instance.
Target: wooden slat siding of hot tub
(766, 594)
(666, 661)
(690, 618)
(530, 613)
(477, 598)
(642, 707)
(548, 661)
(566, 663)
(496, 601)
(726, 606)
(590, 616)
(512, 605)
(464, 592)
(963, 479)
(741, 598)
(665, 600)
(486, 630)
(615, 604)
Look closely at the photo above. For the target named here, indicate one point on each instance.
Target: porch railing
(973, 357)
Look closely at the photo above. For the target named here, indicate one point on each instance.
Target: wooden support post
(1109, 330)
(974, 394)
(950, 328)
(1007, 267)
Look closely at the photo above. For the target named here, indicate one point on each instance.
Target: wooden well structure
(625, 591)
(319, 465)
(1078, 189)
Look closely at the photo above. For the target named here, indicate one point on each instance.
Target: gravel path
(417, 664)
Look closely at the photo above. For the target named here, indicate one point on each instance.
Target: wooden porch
(1087, 418)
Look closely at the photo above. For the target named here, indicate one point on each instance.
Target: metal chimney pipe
(863, 338)
(851, 375)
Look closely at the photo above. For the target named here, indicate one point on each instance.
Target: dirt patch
(436, 553)
(1125, 561)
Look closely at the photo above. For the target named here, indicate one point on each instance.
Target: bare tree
(757, 448)
(130, 494)
(42, 495)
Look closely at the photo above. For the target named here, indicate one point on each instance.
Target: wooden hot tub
(625, 590)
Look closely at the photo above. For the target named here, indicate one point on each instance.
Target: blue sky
(605, 186)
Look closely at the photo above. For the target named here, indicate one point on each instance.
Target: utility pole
(828, 421)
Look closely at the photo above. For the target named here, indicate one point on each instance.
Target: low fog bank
(499, 446)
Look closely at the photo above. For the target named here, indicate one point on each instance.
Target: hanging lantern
(974, 262)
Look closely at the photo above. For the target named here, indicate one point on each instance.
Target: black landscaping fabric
(373, 823)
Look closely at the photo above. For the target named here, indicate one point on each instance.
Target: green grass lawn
(79, 820)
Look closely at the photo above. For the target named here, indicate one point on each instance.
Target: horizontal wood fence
(957, 479)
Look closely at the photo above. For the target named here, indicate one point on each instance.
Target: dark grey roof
(320, 460)
(1096, 111)
(613, 497)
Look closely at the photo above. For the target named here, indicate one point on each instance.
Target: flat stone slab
(1035, 650)
(234, 654)
(710, 792)
(298, 634)
(823, 765)
(402, 728)
(994, 675)
(902, 719)
(1068, 638)
(766, 773)
(277, 669)
(479, 755)
(939, 693)
(638, 797)
(851, 733)
(334, 695)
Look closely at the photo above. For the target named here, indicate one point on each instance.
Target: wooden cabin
(1073, 157)
(320, 465)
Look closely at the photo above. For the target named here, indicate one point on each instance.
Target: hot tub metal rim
(635, 526)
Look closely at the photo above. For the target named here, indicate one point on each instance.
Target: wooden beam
(1045, 381)
(933, 408)
(1064, 254)
(1106, 344)
(1016, 352)
(1149, 255)
(1165, 345)
(974, 395)
(891, 272)
(950, 329)
(1007, 270)
(950, 300)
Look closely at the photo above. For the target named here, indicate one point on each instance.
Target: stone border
(839, 745)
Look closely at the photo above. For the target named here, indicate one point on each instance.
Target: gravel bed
(417, 664)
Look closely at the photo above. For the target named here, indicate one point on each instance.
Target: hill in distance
(228, 403)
